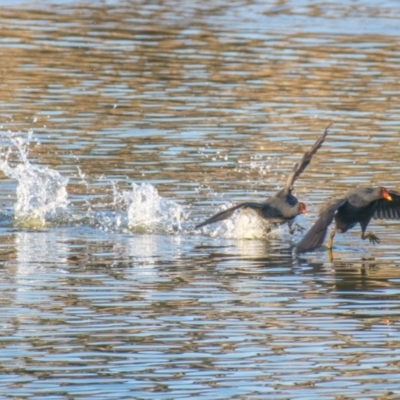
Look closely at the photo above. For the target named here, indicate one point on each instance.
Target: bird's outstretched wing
(316, 234)
(386, 209)
(302, 165)
(225, 214)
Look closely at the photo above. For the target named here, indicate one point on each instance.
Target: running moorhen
(359, 206)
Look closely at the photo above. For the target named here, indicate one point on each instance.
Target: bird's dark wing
(316, 235)
(225, 214)
(386, 209)
(300, 167)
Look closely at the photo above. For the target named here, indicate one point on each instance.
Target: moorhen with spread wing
(281, 207)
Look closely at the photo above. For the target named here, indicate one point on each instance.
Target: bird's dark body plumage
(281, 207)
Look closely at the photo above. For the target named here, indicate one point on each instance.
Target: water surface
(123, 125)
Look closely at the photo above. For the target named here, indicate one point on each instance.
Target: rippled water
(123, 125)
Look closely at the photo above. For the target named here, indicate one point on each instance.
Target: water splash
(147, 211)
(41, 191)
(247, 224)
(244, 224)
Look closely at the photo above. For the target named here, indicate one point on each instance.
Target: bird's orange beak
(303, 208)
(386, 195)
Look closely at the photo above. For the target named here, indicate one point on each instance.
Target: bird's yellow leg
(330, 243)
(371, 236)
(330, 255)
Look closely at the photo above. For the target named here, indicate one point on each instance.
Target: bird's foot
(296, 227)
(371, 236)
